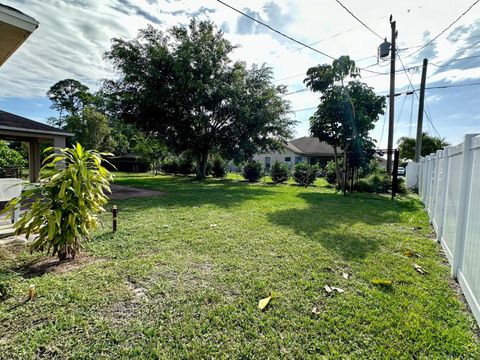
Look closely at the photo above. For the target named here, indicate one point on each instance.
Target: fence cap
(457, 149)
(475, 142)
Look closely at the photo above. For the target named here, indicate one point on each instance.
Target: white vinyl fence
(449, 186)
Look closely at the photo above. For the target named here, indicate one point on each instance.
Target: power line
(295, 92)
(448, 27)
(285, 35)
(455, 60)
(383, 126)
(360, 21)
(415, 93)
(305, 109)
(430, 119)
(451, 86)
(277, 31)
(411, 117)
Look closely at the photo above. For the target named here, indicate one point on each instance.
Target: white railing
(449, 186)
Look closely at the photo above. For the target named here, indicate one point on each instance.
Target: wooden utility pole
(418, 141)
(391, 120)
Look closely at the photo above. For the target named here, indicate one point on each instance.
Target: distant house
(305, 149)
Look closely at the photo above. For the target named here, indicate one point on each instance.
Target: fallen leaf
(345, 275)
(263, 303)
(419, 269)
(316, 310)
(380, 282)
(412, 254)
(329, 289)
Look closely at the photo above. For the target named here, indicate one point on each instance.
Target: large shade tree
(347, 112)
(430, 144)
(183, 88)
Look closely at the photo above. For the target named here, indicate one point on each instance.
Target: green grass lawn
(183, 275)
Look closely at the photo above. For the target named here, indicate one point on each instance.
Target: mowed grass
(183, 275)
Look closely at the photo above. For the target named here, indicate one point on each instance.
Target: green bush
(279, 172)
(305, 174)
(401, 186)
(170, 165)
(330, 173)
(65, 202)
(219, 167)
(375, 183)
(185, 165)
(252, 170)
(10, 157)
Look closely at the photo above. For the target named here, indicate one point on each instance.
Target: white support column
(59, 142)
(463, 204)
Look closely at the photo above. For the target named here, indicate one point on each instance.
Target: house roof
(308, 145)
(15, 28)
(9, 121)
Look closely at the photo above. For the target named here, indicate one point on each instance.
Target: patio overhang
(15, 28)
(14, 127)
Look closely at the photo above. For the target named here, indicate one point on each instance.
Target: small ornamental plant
(279, 172)
(252, 171)
(65, 202)
(219, 167)
(305, 174)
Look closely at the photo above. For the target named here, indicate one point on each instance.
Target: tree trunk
(337, 169)
(201, 165)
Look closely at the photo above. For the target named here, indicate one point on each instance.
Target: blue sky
(74, 34)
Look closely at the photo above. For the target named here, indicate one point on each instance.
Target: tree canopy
(183, 87)
(430, 144)
(347, 111)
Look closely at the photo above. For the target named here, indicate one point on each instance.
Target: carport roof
(9, 121)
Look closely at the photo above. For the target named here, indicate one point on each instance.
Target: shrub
(279, 172)
(374, 183)
(330, 173)
(219, 167)
(65, 201)
(305, 174)
(208, 169)
(252, 170)
(170, 165)
(401, 186)
(10, 157)
(185, 165)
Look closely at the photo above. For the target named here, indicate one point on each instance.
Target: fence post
(420, 176)
(443, 193)
(438, 156)
(463, 204)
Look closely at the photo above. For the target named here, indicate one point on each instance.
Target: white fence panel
(469, 265)
(449, 186)
(437, 217)
(454, 180)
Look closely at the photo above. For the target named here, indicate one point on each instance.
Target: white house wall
(279, 156)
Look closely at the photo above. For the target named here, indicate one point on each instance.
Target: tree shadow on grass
(187, 192)
(336, 222)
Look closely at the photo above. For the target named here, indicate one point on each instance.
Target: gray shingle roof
(311, 146)
(9, 120)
